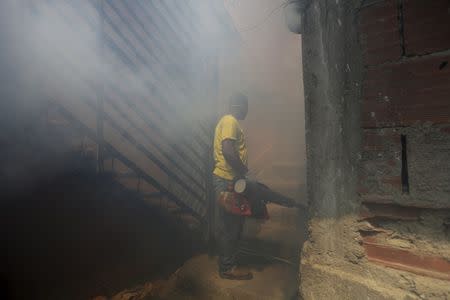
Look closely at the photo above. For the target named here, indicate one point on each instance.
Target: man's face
(242, 111)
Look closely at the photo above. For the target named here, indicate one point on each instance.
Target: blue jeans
(228, 229)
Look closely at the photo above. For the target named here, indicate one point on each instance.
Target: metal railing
(185, 162)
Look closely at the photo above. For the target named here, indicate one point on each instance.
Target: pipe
(256, 191)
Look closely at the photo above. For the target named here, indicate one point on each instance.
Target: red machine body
(238, 204)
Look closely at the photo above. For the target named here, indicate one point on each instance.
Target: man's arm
(232, 157)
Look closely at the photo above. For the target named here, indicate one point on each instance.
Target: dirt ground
(269, 249)
(198, 279)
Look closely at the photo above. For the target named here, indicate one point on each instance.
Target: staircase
(131, 171)
(139, 85)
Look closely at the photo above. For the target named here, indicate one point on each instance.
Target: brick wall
(406, 134)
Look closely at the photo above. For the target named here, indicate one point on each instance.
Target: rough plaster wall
(331, 79)
(332, 76)
(334, 264)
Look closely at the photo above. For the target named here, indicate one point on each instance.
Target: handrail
(142, 59)
(89, 132)
(132, 140)
(126, 4)
(129, 64)
(117, 50)
(147, 153)
(156, 145)
(153, 125)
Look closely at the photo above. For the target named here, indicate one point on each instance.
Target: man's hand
(232, 157)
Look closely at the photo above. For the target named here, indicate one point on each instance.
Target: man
(230, 156)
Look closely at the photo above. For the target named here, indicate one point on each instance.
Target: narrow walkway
(270, 250)
(198, 279)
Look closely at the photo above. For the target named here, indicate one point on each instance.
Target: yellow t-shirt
(228, 128)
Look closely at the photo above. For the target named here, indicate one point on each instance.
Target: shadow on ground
(80, 235)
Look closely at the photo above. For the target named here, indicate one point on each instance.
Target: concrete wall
(376, 90)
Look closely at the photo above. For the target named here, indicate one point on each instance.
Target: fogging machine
(249, 198)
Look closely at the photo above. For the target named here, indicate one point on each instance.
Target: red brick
(381, 10)
(380, 199)
(410, 202)
(379, 33)
(362, 190)
(406, 260)
(389, 211)
(392, 162)
(446, 129)
(372, 141)
(400, 94)
(395, 181)
(426, 26)
(386, 40)
(377, 140)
